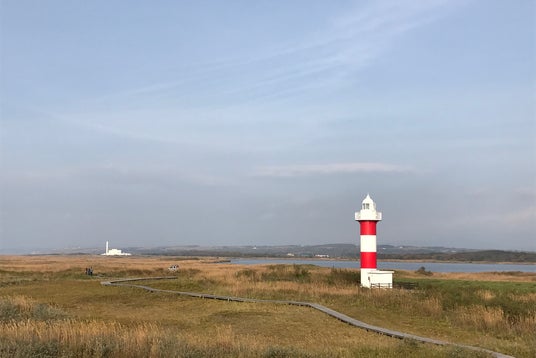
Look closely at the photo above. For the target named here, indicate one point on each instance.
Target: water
(395, 265)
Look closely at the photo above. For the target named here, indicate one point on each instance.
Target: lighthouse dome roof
(368, 200)
(368, 204)
(368, 211)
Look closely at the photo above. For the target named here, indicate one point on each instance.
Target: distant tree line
(485, 255)
(466, 256)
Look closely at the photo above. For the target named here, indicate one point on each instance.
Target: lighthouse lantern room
(370, 275)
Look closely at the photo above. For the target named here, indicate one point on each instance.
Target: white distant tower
(114, 252)
(370, 275)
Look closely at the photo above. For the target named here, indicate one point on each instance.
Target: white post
(106, 247)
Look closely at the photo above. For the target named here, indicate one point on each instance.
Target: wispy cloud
(327, 169)
(316, 63)
(328, 57)
(335, 53)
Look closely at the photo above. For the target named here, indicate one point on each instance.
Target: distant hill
(484, 255)
(347, 251)
(341, 251)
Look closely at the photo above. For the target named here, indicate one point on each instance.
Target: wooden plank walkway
(340, 316)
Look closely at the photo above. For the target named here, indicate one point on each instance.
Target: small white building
(379, 279)
(114, 252)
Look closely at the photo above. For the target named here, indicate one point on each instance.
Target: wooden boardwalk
(342, 317)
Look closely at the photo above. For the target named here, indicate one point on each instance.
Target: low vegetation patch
(295, 273)
(21, 308)
(343, 277)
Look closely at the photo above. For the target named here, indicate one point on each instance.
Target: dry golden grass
(232, 329)
(154, 323)
(526, 298)
(485, 295)
(477, 276)
(484, 318)
(100, 264)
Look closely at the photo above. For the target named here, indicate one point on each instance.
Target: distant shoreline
(225, 258)
(459, 261)
(379, 260)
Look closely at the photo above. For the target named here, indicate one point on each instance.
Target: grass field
(49, 307)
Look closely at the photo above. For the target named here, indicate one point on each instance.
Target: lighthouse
(368, 217)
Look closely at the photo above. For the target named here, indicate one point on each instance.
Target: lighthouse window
(366, 206)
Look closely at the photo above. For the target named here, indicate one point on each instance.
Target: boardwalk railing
(406, 285)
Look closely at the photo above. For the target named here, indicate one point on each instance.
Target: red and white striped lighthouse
(368, 217)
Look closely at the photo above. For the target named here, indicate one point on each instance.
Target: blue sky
(263, 123)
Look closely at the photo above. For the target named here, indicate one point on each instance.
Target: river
(397, 265)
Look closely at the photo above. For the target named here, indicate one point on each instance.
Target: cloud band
(327, 169)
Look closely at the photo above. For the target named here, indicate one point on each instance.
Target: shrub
(343, 277)
(296, 273)
(422, 271)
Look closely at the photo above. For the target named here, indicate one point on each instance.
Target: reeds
(86, 339)
(18, 308)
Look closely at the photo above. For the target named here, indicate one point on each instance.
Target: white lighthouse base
(372, 278)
